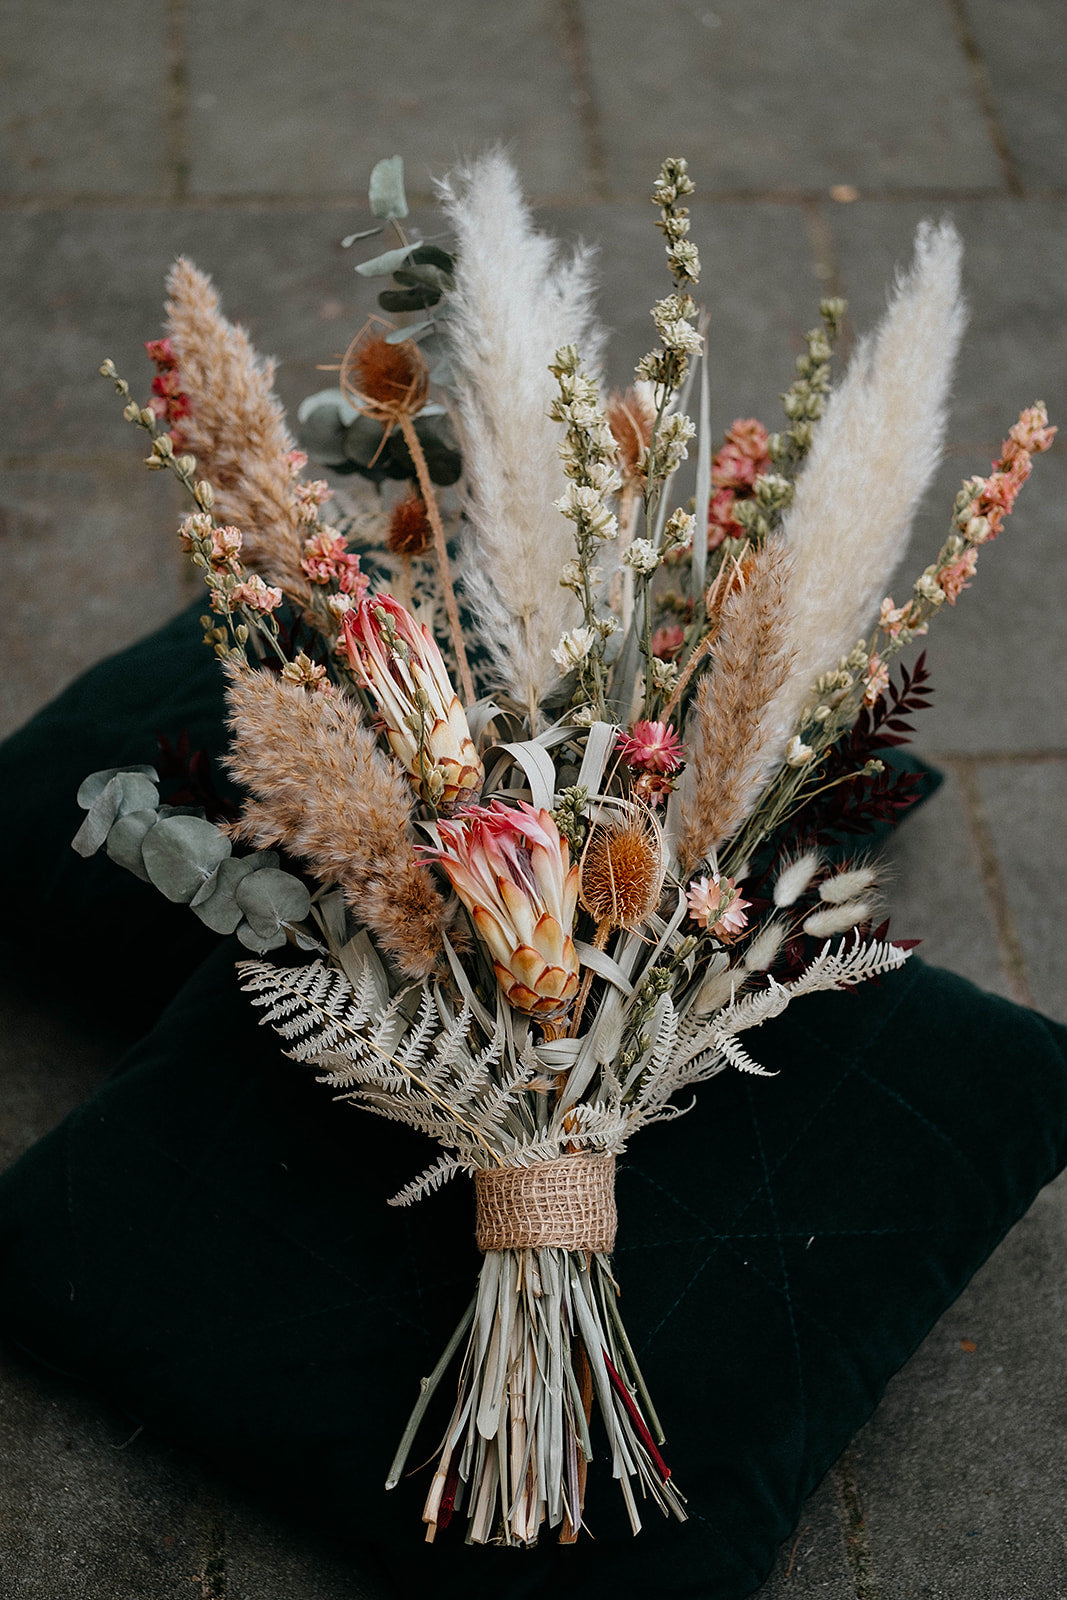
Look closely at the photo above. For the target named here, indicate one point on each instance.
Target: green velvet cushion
(207, 1241)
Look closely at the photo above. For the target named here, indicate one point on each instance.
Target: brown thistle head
(382, 380)
(621, 871)
(409, 532)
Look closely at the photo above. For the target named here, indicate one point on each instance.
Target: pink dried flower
(161, 351)
(225, 546)
(651, 747)
(327, 559)
(877, 680)
(717, 905)
(892, 618)
(652, 788)
(1032, 431)
(751, 438)
(310, 496)
(953, 579)
(304, 671)
(296, 460)
(731, 468)
(511, 869)
(399, 662)
(722, 524)
(255, 594)
(667, 641)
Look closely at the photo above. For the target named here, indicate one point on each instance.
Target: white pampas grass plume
(516, 300)
(795, 878)
(236, 429)
(873, 456)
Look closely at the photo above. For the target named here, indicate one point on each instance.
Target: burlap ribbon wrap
(569, 1202)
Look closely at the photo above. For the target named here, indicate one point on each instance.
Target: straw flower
(511, 869)
(398, 661)
(717, 905)
(651, 747)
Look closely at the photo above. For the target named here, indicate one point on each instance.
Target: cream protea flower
(510, 867)
(400, 664)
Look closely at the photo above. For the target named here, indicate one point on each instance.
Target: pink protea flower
(398, 661)
(717, 905)
(512, 870)
(651, 747)
(327, 559)
(953, 578)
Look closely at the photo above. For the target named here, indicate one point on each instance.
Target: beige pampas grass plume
(874, 454)
(324, 791)
(236, 429)
(516, 301)
(728, 732)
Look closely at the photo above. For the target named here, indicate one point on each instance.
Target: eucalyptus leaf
(179, 811)
(259, 942)
(126, 790)
(442, 373)
(366, 233)
(180, 853)
(326, 397)
(386, 264)
(431, 255)
(412, 275)
(96, 782)
(363, 442)
(420, 299)
(125, 840)
(272, 899)
(322, 434)
(414, 330)
(386, 191)
(215, 902)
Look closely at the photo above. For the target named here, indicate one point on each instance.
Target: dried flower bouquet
(526, 917)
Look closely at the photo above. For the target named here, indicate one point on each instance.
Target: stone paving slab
(90, 545)
(763, 96)
(960, 1469)
(278, 107)
(1024, 52)
(1026, 809)
(91, 122)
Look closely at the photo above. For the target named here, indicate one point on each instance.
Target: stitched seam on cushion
(946, 1139)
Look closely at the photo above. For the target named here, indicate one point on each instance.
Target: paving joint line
(176, 114)
(583, 97)
(854, 1528)
(982, 84)
(1009, 943)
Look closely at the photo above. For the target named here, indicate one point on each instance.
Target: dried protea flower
(511, 869)
(398, 661)
(408, 532)
(621, 870)
(382, 380)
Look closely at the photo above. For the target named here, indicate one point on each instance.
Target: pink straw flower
(398, 661)
(651, 747)
(877, 680)
(327, 559)
(667, 641)
(717, 905)
(953, 579)
(511, 869)
(255, 594)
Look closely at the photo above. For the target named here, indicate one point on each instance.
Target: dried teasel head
(409, 532)
(382, 380)
(621, 870)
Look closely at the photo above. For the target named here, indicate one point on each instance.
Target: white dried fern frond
(435, 1177)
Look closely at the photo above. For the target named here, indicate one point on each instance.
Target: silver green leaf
(272, 900)
(97, 782)
(125, 840)
(386, 191)
(215, 902)
(181, 853)
(258, 941)
(384, 266)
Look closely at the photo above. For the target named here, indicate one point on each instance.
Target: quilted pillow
(206, 1240)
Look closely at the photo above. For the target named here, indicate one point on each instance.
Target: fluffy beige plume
(728, 730)
(236, 429)
(874, 454)
(325, 791)
(515, 302)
